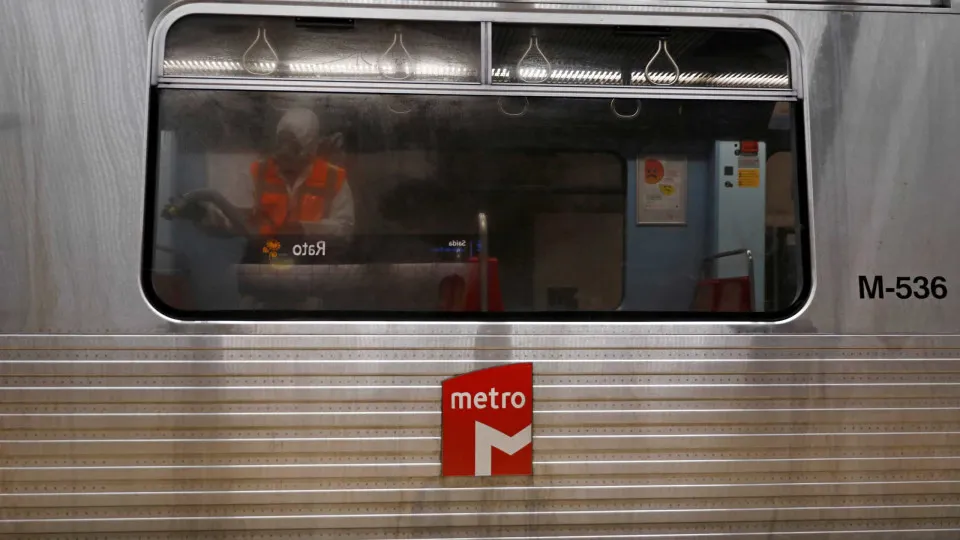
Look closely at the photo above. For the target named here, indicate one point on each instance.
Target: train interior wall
(645, 267)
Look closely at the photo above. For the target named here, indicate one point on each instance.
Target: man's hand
(213, 217)
(209, 212)
(213, 221)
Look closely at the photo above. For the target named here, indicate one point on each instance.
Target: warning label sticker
(748, 178)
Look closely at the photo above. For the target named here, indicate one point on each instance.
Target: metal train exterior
(841, 419)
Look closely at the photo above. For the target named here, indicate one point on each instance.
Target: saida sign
(487, 422)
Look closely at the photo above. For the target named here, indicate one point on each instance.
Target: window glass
(281, 204)
(322, 49)
(577, 55)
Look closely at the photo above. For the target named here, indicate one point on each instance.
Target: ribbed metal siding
(262, 445)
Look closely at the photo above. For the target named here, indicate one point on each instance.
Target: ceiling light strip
(355, 68)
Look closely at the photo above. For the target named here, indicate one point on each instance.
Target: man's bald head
(298, 134)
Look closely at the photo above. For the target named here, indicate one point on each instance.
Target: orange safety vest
(275, 207)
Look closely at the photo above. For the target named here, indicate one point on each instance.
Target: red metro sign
(488, 422)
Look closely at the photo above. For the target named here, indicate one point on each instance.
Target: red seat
(494, 296)
(725, 295)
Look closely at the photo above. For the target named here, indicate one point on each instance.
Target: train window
(522, 196)
(578, 55)
(322, 49)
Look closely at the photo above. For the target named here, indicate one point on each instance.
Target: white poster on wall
(661, 190)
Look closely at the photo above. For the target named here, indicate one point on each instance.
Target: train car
(455, 269)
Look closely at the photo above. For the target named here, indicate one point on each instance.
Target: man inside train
(301, 201)
(297, 193)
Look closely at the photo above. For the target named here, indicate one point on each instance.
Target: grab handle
(662, 47)
(264, 68)
(538, 75)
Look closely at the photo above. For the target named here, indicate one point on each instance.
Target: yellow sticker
(666, 189)
(748, 178)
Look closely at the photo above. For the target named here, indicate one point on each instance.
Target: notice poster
(661, 191)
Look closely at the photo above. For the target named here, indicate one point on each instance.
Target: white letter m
(488, 438)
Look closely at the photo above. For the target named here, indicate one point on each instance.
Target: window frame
(486, 19)
(486, 87)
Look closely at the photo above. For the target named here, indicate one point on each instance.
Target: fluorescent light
(357, 67)
(351, 67)
(611, 77)
(213, 67)
(332, 68)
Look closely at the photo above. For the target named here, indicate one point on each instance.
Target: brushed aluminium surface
(878, 89)
(733, 443)
(117, 423)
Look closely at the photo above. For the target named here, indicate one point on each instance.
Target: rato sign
(488, 422)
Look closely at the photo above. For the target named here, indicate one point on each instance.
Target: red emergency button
(749, 147)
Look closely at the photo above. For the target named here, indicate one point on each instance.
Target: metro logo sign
(488, 422)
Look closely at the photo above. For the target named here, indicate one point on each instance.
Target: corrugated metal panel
(155, 446)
